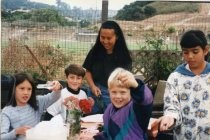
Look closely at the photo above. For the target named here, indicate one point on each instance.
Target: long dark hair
(121, 52)
(18, 78)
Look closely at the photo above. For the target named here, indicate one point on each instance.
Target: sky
(86, 4)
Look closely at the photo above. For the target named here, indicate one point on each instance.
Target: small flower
(192, 123)
(200, 129)
(186, 110)
(185, 121)
(207, 131)
(205, 95)
(176, 82)
(197, 87)
(184, 97)
(196, 103)
(201, 113)
(175, 103)
(187, 84)
(167, 99)
(188, 135)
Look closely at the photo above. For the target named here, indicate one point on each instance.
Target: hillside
(181, 21)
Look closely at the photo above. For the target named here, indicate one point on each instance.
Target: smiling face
(195, 57)
(74, 81)
(108, 39)
(119, 96)
(23, 93)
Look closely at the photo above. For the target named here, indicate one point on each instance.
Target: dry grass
(17, 58)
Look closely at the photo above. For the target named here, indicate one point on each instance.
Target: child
(127, 117)
(74, 77)
(109, 52)
(187, 93)
(24, 109)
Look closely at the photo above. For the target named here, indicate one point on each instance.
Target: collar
(73, 91)
(185, 71)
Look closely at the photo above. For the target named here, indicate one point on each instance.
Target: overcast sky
(86, 4)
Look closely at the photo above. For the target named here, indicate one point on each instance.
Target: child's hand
(54, 85)
(22, 130)
(153, 127)
(166, 123)
(128, 79)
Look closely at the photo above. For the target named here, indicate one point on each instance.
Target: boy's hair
(113, 80)
(75, 69)
(18, 78)
(193, 38)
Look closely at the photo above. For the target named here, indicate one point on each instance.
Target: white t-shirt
(58, 107)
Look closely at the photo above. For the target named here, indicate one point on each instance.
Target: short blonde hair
(113, 78)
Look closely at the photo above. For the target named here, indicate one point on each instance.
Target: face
(119, 96)
(194, 57)
(23, 93)
(74, 81)
(108, 39)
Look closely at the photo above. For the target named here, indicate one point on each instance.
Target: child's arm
(172, 113)
(55, 108)
(143, 98)
(6, 134)
(141, 94)
(47, 100)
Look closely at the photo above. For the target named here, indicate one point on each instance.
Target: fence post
(104, 14)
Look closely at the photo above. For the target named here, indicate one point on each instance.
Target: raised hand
(54, 85)
(128, 79)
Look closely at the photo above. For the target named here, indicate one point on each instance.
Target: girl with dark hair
(25, 109)
(109, 52)
(186, 99)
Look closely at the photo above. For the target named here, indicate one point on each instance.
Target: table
(88, 130)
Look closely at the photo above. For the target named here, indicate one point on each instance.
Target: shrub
(46, 64)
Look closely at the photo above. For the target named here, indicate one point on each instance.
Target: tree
(45, 15)
(84, 23)
(134, 11)
(22, 4)
(149, 10)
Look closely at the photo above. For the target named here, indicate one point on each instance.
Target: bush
(149, 10)
(46, 63)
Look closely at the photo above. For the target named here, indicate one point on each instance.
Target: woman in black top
(109, 52)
